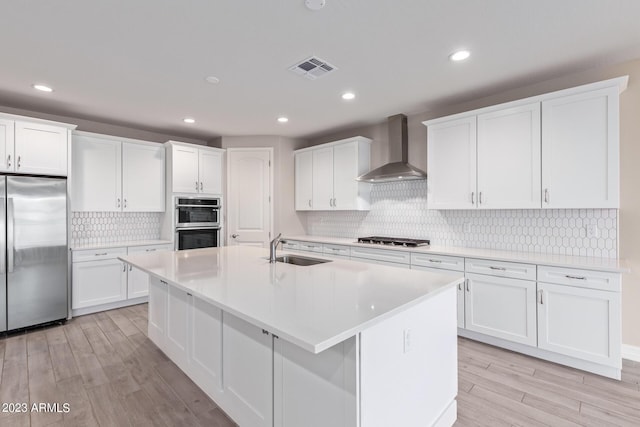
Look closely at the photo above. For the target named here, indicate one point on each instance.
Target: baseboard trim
(631, 352)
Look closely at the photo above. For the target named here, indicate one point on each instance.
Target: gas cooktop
(394, 241)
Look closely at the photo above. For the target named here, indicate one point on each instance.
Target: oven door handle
(197, 228)
(198, 206)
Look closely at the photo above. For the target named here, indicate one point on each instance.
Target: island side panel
(408, 366)
(316, 390)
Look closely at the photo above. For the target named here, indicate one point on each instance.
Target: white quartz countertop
(590, 263)
(314, 307)
(120, 244)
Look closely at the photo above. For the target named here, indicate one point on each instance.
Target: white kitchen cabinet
(142, 177)
(451, 164)
(508, 155)
(205, 346)
(384, 256)
(177, 326)
(247, 372)
(138, 280)
(304, 181)
(580, 150)
(7, 158)
(157, 322)
(98, 278)
(40, 148)
(501, 307)
(334, 169)
(194, 170)
(115, 175)
(443, 264)
(581, 322)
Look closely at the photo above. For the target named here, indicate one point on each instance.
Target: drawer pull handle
(435, 260)
(101, 254)
(460, 286)
(541, 292)
(130, 267)
(150, 250)
(467, 283)
(575, 277)
(163, 282)
(497, 268)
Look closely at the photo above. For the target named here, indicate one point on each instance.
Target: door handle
(473, 198)
(125, 203)
(467, 285)
(9, 161)
(10, 235)
(124, 267)
(200, 185)
(546, 195)
(309, 202)
(541, 292)
(118, 203)
(130, 267)
(2, 247)
(196, 185)
(234, 235)
(18, 162)
(480, 198)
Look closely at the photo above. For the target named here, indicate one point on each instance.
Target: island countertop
(314, 307)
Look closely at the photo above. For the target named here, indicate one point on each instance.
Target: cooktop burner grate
(393, 241)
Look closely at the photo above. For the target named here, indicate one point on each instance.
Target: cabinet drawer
(438, 261)
(336, 250)
(381, 255)
(581, 278)
(311, 247)
(149, 248)
(500, 268)
(98, 254)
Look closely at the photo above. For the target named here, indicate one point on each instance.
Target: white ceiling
(143, 63)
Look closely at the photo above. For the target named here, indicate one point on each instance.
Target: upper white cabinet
(38, 147)
(558, 150)
(116, 175)
(304, 181)
(326, 175)
(580, 150)
(194, 169)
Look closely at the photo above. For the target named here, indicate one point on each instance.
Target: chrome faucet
(273, 245)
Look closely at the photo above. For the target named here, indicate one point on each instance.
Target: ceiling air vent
(313, 68)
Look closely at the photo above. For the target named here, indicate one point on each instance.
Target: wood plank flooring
(109, 372)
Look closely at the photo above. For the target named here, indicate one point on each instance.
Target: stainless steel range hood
(398, 168)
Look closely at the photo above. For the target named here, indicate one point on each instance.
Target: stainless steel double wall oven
(197, 222)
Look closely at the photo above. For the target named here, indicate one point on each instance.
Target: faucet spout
(273, 245)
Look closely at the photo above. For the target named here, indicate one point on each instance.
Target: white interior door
(249, 192)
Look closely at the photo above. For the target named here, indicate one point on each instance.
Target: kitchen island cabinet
(319, 345)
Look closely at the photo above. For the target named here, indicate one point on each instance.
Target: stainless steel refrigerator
(33, 251)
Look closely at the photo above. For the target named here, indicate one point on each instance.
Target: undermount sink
(300, 260)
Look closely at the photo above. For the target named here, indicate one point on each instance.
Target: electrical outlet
(592, 230)
(407, 340)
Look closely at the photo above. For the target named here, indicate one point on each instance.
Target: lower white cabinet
(157, 316)
(100, 281)
(205, 344)
(580, 322)
(460, 289)
(247, 352)
(177, 327)
(501, 307)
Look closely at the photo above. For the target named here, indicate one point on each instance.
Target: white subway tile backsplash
(89, 228)
(400, 209)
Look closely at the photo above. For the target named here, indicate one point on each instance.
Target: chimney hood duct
(398, 169)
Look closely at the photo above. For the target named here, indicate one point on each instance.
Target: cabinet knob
(234, 235)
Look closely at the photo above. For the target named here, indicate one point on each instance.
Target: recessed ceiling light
(315, 4)
(43, 88)
(189, 120)
(283, 119)
(459, 55)
(348, 96)
(213, 80)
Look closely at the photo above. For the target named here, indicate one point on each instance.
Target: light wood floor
(104, 366)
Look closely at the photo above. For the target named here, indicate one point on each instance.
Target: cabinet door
(137, 283)
(96, 180)
(451, 164)
(460, 289)
(205, 346)
(98, 282)
(345, 171)
(509, 158)
(210, 167)
(304, 181)
(7, 159)
(41, 149)
(247, 372)
(501, 307)
(322, 188)
(185, 169)
(580, 150)
(582, 323)
(142, 178)
(177, 328)
(157, 311)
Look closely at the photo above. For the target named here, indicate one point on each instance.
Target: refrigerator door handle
(3, 265)
(10, 232)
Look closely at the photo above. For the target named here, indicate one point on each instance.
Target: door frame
(270, 150)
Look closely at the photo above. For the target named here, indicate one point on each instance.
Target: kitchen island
(341, 343)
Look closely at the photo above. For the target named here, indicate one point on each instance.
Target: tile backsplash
(97, 228)
(400, 210)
